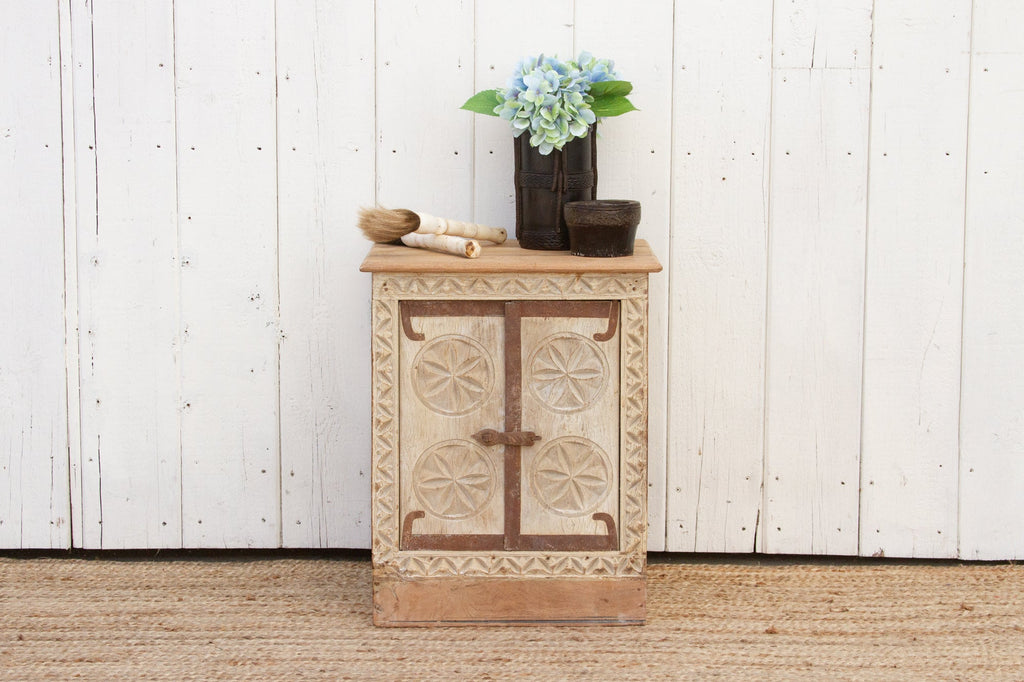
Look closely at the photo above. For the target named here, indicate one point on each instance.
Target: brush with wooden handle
(388, 225)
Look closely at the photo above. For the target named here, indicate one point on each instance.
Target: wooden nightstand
(509, 436)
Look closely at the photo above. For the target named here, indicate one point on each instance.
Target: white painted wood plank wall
(914, 283)
(327, 152)
(992, 399)
(831, 184)
(721, 129)
(35, 503)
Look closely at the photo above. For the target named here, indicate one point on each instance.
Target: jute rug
(262, 617)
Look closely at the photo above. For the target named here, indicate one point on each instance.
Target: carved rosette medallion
(454, 480)
(452, 375)
(567, 372)
(571, 476)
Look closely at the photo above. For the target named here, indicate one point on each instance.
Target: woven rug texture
(298, 618)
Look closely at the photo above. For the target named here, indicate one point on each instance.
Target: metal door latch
(492, 437)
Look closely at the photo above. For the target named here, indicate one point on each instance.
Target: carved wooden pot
(602, 228)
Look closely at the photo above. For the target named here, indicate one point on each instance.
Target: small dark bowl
(602, 228)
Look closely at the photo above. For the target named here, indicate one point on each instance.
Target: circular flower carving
(452, 375)
(454, 479)
(571, 476)
(567, 372)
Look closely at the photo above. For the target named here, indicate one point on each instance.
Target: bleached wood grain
(128, 285)
(634, 160)
(227, 217)
(325, 172)
(34, 495)
(815, 303)
(914, 278)
(720, 133)
(423, 430)
(992, 409)
(595, 418)
(507, 257)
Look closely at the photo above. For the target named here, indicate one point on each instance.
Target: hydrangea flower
(552, 99)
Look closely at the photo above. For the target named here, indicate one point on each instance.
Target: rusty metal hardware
(492, 437)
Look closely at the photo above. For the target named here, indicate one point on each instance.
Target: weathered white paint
(808, 324)
(815, 299)
(992, 408)
(818, 177)
(421, 82)
(228, 231)
(70, 183)
(822, 34)
(720, 138)
(914, 276)
(128, 286)
(34, 497)
(325, 172)
(79, 155)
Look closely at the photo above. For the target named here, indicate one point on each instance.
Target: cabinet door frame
(513, 439)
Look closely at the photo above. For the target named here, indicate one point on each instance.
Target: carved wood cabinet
(509, 436)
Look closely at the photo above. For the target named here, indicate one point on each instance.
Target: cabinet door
(452, 370)
(509, 425)
(569, 359)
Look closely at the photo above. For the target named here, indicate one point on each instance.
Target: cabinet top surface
(507, 257)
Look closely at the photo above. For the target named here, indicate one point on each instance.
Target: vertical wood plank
(820, 100)
(815, 304)
(424, 73)
(325, 172)
(635, 162)
(227, 217)
(129, 284)
(496, 58)
(34, 493)
(70, 147)
(79, 129)
(992, 411)
(914, 278)
(720, 134)
(822, 34)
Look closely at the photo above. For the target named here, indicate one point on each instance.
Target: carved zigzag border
(510, 286)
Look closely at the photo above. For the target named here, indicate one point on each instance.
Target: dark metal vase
(545, 183)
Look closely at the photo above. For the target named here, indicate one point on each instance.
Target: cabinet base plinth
(428, 602)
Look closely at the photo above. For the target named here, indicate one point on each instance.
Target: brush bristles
(385, 225)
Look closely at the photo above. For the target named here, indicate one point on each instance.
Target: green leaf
(602, 88)
(483, 102)
(611, 106)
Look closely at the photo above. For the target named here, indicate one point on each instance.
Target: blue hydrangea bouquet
(556, 101)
